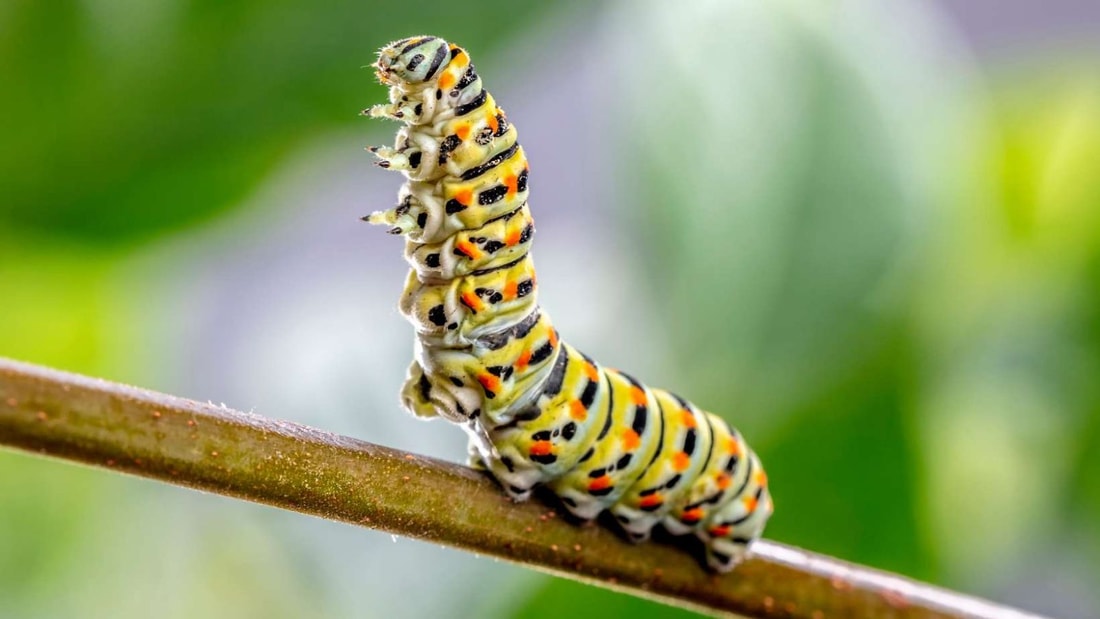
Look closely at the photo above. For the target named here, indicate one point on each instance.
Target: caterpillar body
(537, 410)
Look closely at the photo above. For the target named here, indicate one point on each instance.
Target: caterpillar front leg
(395, 159)
(415, 154)
(402, 111)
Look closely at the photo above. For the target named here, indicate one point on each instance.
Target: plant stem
(295, 467)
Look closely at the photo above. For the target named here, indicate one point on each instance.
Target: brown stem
(287, 465)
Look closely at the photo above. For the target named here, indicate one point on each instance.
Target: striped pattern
(537, 410)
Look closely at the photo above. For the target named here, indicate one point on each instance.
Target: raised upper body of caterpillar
(537, 410)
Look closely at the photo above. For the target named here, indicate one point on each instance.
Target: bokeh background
(867, 233)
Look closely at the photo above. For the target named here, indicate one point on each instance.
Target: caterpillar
(487, 357)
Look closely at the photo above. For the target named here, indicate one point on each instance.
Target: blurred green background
(867, 234)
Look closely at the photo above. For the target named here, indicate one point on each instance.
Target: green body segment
(537, 410)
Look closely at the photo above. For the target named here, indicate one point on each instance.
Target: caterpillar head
(411, 61)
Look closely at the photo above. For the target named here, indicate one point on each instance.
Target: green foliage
(34, 508)
(565, 598)
(130, 119)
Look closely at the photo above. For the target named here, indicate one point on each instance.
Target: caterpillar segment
(487, 357)
(485, 383)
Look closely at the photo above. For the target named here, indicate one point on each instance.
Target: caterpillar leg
(392, 111)
(428, 392)
(416, 392)
(474, 458)
(394, 159)
(518, 482)
(416, 153)
(401, 218)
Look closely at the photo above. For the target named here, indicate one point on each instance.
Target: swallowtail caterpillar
(537, 410)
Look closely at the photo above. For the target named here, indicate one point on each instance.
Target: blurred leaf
(51, 507)
(852, 492)
(54, 309)
(566, 598)
(777, 221)
(1086, 490)
(136, 117)
(1009, 353)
